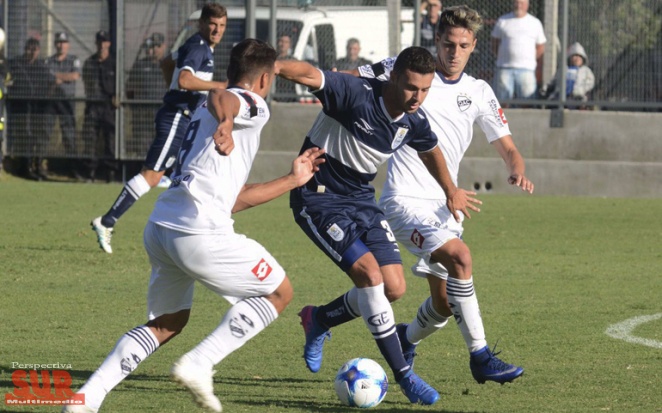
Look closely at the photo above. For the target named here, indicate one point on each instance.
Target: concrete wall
(595, 153)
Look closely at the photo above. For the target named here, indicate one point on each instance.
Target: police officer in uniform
(67, 69)
(146, 82)
(99, 124)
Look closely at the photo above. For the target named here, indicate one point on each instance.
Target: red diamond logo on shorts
(417, 238)
(262, 270)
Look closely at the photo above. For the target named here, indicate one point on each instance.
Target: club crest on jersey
(399, 137)
(463, 102)
(336, 233)
(262, 270)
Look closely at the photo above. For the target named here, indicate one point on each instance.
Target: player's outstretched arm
(457, 199)
(303, 168)
(514, 161)
(224, 107)
(300, 72)
(188, 81)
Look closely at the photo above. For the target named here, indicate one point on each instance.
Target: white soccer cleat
(78, 408)
(198, 382)
(103, 234)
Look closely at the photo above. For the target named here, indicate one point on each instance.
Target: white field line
(623, 330)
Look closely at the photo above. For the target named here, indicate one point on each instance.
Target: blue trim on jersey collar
(449, 82)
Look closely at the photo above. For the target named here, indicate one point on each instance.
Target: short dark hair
(212, 10)
(414, 58)
(31, 42)
(249, 58)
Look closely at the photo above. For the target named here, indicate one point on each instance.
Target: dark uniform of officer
(66, 68)
(99, 124)
(146, 83)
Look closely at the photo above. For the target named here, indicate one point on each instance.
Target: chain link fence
(54, 116)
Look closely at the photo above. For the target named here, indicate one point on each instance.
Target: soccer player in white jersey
(362, 123)
(415, 205)
(190, 237)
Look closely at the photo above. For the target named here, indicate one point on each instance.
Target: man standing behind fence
(146, 83)
(191, 69)
(518, 40)
(66, 68)
(99, 125)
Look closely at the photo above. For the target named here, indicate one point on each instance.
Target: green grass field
(551, 273)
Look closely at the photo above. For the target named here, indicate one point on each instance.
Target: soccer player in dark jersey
(191, 80)
(362, 123)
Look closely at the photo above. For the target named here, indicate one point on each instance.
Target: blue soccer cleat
(315, 337)
(418, 391)
(485, 365)
(408, 349)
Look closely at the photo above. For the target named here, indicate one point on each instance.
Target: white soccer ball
(361, 383)
(2, 38)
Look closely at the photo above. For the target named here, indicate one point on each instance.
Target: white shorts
(422, 226)
(231, 265)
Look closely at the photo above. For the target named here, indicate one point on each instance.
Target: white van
(319, 35)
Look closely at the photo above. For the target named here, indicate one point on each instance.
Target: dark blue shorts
(171, 124)
(345, 229)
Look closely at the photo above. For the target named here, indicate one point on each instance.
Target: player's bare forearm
(303, 168)
(223, 106)
(300, 72)
(514, 162)
(456, 199)
(188, 81)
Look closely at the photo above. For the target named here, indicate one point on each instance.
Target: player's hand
(223, 140)
(306, 164)
(462, 200)
(521, 181)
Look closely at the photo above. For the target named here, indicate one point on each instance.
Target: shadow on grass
(302, 399)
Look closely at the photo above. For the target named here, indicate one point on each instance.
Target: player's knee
(395, 290)
(167, 326)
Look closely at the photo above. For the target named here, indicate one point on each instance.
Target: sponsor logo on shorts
(336, 233)
(417, 238)
(262, 270)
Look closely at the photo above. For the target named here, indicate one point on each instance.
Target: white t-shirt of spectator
(519, 37)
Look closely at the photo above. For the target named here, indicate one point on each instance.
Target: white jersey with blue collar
(452, 107)
(205, 184)
(358, 135)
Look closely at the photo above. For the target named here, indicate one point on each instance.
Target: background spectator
(285, 91)
(518, 40)
(579, 79)
(66, 68)
(352, 60)
(99, 124)
(4, 75)
(31, 82)
(428, 24)
(146, 82)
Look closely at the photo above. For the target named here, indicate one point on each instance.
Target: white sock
(131, 349)
(427, 321)
(464, 305)
(352, 298)
(138, 186)
(373, 303)
(241, 323)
